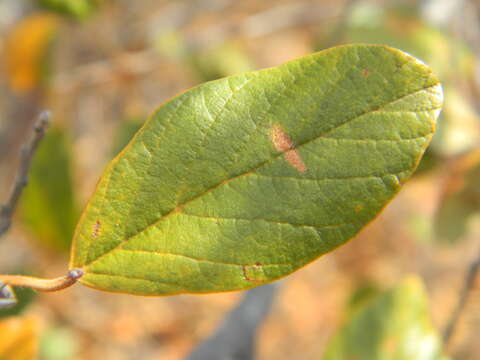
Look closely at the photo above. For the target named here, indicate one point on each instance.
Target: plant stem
(468, 285)
(47, 285)
(21, 179)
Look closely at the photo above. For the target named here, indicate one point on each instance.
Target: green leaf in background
(77, 9)
(48, 207)
(58, 344)
(21, 299)
(220, 61)
(243, 180)
(206, 64)
(124, 134)
(395, 325)
(365, 292)
(460, 199)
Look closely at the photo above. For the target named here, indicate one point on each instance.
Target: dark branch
(468, 285)
(235, 337)
(21, 179)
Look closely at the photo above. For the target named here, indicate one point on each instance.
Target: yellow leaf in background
(26, 49)
(18, 340)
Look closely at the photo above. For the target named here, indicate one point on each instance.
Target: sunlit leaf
(395, 325)
(18, 340)
(401, 27)
(449, 57)
(243, 180)
(48, 207)
(27, 51)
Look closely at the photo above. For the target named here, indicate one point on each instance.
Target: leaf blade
(224, 180)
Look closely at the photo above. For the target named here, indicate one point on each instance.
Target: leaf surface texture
(242, 180)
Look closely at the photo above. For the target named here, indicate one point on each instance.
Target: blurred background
(102, 66)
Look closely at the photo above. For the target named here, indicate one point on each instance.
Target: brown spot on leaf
(281, 140)
(358, 208)
(365, 72)
(294, 159)
(249, 272)
(284, 143)
(96, 228)
(177, 210)
(245, 275)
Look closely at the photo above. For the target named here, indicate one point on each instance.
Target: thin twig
(468, 285)
(21, 179)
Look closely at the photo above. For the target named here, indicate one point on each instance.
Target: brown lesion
(365, 72)
(294, 159)
(283, 143)
(249, 272)
(178, 209)
(281, 140)
(96, 228)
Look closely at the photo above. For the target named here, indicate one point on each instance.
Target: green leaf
(214, 63)
(14, 303)
(77, 9)
(48, 207)
(58, 343)
(124, 134)
(399, 26)
(460, 199)
(208, 63)
(364, 293)
(243, 180)
(394, 326)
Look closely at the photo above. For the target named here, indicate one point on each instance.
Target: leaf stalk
(46, 285)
